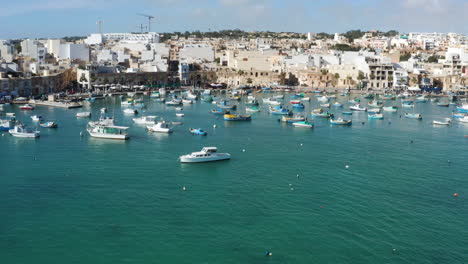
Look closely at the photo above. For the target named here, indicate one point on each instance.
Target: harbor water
(379, 191)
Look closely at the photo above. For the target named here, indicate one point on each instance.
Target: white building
(7, 51)
(71, 51)
(33, 49)
(53, 46)
(197, 53)
(97, 39)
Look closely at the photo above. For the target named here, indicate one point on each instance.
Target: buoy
(448, 161)
(268, 253)
(214, 126)
(81, 134)
(455, 194)
(292, 189)
(290, 185)
(302, 144)
(297, 175)
(184, 189)
(243, 150)
(347, 166)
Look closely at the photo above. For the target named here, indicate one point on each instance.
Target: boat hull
(189, 159)
(108, 136)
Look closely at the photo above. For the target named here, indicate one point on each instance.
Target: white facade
(106, 55)
(197, 52)
(71, 51)
(53, 46)
(96, 39)
(7, 51)
(33, 49)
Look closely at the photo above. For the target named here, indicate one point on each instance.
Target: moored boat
(83, 114)
(304, 124)
(219, 111)
(6, 125)
(443, 104)
(340, 121)
(224, 105)
(27, 107)
(390, 108)
(357, 107)
(293, 119)
(207, 154)
(198, 131)
(49, 124)
(145, 120)
(161, 127)
(23, 132)
(374, 111)
(413, 116)
(229, 117)
(131, 111)
(446, 122)
(36, 118)
(279, 111)
(320, 113)
(108, 131)
(252, 109)
(375, 116)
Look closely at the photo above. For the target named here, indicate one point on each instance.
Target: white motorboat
(10, 114)
(207, 154)
(357, 107)
(103, 110)
(191, 96)
(145, 120)
(180, 114)
(271, 101)
(24, 132)
(27, 107)
(464, 119)
(108, 132)
(130, 111)
(186, 101)
(390, 109)
(126, 103)
(83, 114)
(36, 118)
(446, 122)
(161, 127)
(305, 99)
(322, 99)
(374, 110)
(174, 102)
(303, 124)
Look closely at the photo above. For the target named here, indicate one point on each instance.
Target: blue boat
(219, 112)
(279, 110)
(463, 108)
(225, 105)
(300, 105)
(198, 131)
(6, 125)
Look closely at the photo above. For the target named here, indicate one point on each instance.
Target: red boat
(27, 107)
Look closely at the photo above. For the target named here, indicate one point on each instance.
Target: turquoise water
(71, 199)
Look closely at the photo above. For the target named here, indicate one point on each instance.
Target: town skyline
(32, 20)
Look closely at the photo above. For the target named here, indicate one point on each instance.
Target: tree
(360, 76)
(390, 78)
(344, 47)
(337, 76)
(433, 59)
(405, 57)
(372, 76)
(324, 72)
(249, 80)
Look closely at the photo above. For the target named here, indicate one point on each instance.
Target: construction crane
(99, 23)
(149, 20)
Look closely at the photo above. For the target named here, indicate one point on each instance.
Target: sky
(59, 18)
